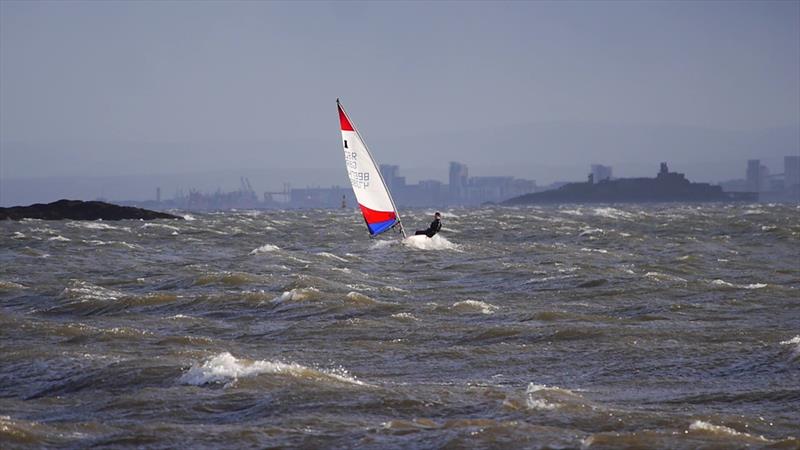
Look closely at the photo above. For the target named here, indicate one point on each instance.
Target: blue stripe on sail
(380, 227)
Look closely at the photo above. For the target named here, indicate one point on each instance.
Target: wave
(437, 242)
(725, 284)
(405, 317)
(541, 397)
(360, 299)
(226, 369)
(97, 226)
(59, 238)
(658, 276)
(10, 285)
(297, 295)
(266, 248)
(471, 306)
(228, 278)
(162, 226)
(84, 291)
(699, 425)
(613, 213)
(332, 256)
(591, 231)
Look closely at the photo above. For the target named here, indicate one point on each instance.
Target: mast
(369, 153)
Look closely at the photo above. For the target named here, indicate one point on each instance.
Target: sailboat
(372, 195)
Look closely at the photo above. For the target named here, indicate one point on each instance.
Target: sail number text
(357, 179)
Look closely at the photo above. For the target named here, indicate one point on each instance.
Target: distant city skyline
(119, 97)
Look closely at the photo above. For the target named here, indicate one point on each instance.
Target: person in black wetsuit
(436, 226)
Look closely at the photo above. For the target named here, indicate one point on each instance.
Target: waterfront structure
(600, 172)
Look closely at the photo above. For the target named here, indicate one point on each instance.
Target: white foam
(160, 225)
(59, 238)
(332, 256)
(85, 291)
(265, 249)
(18, 235)
(188, 217)
(539, 403)
(613, 213)
(723, 283)
(591, 231)
(594, 250)
(475, 306)
(699, 425)
(97, 226)
(663, 277)
(422, 242)
(8, 285)
(794, 340)
(226, 369)
(296, 295)
(404, 316)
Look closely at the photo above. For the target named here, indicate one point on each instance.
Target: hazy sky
(113, 88)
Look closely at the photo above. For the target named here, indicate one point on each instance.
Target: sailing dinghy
(370, 189)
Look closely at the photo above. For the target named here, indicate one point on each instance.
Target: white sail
(370, 190)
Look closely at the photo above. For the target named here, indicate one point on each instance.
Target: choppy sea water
(636, 326)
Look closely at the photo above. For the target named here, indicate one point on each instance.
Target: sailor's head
(437, 215)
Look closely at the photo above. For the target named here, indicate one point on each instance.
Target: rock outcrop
(80, 210)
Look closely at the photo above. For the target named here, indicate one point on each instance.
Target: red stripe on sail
(372, 216)
(343, 120)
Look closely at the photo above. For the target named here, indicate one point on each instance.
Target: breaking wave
(471, 306)
(266, 248)
(225, 369)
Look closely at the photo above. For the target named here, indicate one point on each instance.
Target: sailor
(436, 226)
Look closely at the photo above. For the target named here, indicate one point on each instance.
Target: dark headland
(665, 187)
(80, 210)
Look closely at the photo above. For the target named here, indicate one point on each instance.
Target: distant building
(791, 171)
(391, 175)
(600, 172)
(753, 175)
(459, 177)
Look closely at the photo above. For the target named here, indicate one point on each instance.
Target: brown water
(644, 326)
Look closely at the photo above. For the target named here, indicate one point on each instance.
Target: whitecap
(9, 285)
(296, 295)
(404, 316)
(534, 394)
(18, 235)
(725, 284)
(188, 217)
(474, 306)
(658, 276)
(59, 238)
(224, 368)
(795, 343)
(699, 425)
(360, 299)
(612, 213)
(332, 256)
(591, 231)
(265, 249)
(422, 242)
(85, 291)
(97, 226)
(160, 225)
(594, 250)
